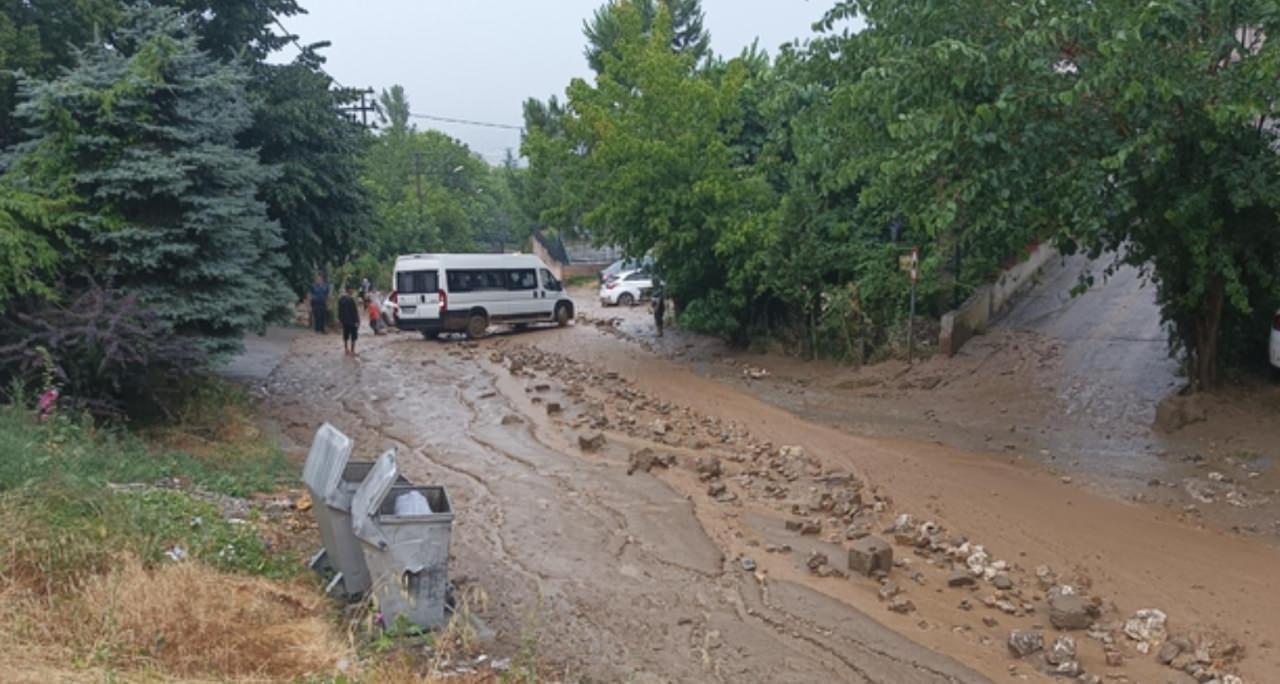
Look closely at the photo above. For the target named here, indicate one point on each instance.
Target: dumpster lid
(328, 457)
(368, 498)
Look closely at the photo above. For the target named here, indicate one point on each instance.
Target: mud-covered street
(731, 563)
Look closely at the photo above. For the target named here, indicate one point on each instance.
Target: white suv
(627, 289)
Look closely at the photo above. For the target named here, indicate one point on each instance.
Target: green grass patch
(67, 520)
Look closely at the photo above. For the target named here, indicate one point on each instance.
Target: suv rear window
(414, 282)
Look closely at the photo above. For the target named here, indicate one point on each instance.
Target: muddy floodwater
(641, 519)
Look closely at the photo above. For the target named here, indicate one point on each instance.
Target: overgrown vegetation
(779, 194)
(153, 159)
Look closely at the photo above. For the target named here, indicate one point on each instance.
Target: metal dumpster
(407, 553)
(332, 480)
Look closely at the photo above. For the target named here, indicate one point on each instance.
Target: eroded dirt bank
(690, 576)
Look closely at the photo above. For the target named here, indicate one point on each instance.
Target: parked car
(626, 289)
(436, 293)
(1275, 346)
(612, 271)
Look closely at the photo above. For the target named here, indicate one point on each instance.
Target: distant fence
(988, 301)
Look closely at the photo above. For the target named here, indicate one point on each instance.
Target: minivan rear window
(414, 282)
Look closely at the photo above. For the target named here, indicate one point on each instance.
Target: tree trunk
(1206, 325)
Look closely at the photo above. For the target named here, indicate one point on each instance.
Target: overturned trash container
(332, 480)
(404, 530)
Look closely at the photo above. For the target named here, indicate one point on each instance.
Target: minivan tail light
(444, 300)
(395, 297)
(611, 284)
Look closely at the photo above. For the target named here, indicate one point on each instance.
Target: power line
(445, 119)
(362, 108)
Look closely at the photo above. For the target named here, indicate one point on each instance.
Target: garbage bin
(332, 480)
(407, 551)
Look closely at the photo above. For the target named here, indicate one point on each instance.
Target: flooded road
(612, 575)
(730, 565)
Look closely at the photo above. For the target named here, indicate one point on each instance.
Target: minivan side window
(522, 279)
(549, 281)
(491, 279)
(417, 282)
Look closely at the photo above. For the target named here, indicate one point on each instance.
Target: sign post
(911, 317)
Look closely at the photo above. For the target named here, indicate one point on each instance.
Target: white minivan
(437, 293)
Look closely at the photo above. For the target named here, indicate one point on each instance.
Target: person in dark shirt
(319, 303)
(349, 317)
(658, 303)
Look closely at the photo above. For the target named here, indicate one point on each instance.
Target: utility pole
(363, 108)
(417, 171)
(911, 317)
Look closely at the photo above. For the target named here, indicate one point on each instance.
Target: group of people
(348, 311)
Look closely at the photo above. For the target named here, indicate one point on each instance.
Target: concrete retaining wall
(562, 271)
(988, 301)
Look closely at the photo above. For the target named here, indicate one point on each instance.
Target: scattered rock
(816, 560)
(1147, 626)
(708, 467)
(990, 621)
(591, 443)
(1168, 652)
(901, 605)
(1062, 650)
(554, 408)
(748, 565)
(1115, 658)
(659, 427)
(1069, 669)
(811, 527)
(1002, 582)
(1176, 412)
(645, 460)
(961, 579)
(716, 489)
(512, 419)
(889, 590)
(1069, 611)
(870, 555)
(1024, 643)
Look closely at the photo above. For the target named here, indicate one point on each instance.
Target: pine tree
(687, 32)
(146, 131)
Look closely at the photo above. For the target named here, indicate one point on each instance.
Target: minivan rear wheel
(625, 299)
(477, 325)
(562, 315)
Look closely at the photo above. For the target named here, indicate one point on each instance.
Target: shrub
(107, 351)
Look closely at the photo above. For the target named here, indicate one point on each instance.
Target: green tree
(315, 153)
(144, 135)
(605, 28)
(1142, 130)
(39, 37)
(393, 109)
(654, 137)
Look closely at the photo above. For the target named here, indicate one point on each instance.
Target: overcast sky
(480, 60)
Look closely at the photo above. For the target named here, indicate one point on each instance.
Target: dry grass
(177, 622)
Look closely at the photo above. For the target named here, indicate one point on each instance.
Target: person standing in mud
(658, 304)
(349, 317)
(319, 303)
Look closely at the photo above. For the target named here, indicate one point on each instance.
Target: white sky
(480, 60)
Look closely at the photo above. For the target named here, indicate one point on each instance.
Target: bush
(712, 314)
(106, 351)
